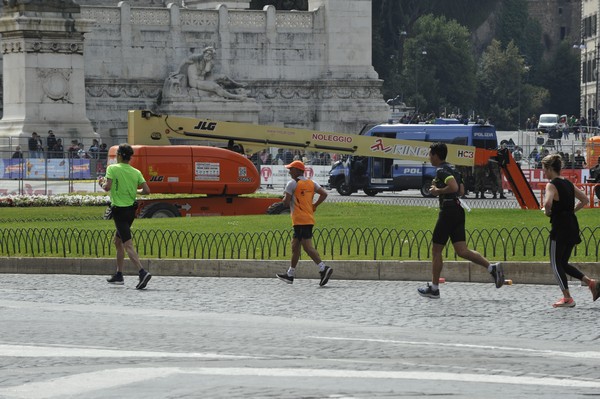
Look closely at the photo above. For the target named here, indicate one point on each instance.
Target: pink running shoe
(564, 303)
(595, 288)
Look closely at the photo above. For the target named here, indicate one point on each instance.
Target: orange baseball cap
(296, 164)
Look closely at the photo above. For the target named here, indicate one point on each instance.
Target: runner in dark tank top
(560, 206)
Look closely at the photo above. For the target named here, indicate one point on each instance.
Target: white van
(547, 121)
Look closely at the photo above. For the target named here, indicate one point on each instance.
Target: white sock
(321, 266)
(291, 271)
(435, 287)
(491, 267)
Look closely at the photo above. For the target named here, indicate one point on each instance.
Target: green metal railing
(349, 243)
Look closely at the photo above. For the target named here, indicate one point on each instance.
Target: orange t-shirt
(301, 207)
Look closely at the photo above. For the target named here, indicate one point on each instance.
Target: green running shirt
(125, 181)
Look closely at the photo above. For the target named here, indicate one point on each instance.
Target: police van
(376, 175)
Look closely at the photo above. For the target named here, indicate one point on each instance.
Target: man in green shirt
(124, 182)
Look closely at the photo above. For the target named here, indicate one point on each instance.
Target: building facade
(309, 69)
(589, 44)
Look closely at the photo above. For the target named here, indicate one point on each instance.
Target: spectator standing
(94, 148)
(102, 158)
(93, 154)
(583, 124)
(579, 160)
(265, 157)
(81, 152)
(279, 157)
(17, 154)
(567, 161)
(595, 178)
(480, 179)
(58, 151)
(534, 122)
(128, 182)
(495, 177)
(103, 151)
(518, 155)
(288, 157)
(35, 146)
(73, 149)
(50, 143)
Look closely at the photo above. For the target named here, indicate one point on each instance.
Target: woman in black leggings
(559, 205)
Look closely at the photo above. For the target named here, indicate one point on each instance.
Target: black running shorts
(303, 231)
(124, 217)
(450, 224)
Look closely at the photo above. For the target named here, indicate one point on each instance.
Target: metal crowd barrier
(365, 243)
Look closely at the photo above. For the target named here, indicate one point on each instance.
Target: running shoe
(144, 278)
(116, 279)
(595, 288)
(429, 292)
(498, 274)
(285, 277)
(325, 274)
(564, 303)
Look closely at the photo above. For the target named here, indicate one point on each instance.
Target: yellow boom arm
(147, 128)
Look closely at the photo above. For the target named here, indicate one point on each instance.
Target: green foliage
(446, 73)
(503, 96)
(446, 78)
(561, 77)
(512, 21)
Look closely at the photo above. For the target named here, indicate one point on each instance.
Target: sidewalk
(455, 271)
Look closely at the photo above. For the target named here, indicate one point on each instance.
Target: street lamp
(526, 69)
(584, 76)
(417, 64)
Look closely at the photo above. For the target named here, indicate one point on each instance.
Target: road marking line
(63, 351)
(541, 352)
(106, 379)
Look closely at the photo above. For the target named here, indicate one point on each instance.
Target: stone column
(43, 68)
(212, 4)
(347, 37)
(349, 91)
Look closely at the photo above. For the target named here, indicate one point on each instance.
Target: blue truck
(376, 175)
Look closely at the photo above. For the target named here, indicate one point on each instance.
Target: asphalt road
(69, 336)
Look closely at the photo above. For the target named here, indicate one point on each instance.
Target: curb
(454, 271)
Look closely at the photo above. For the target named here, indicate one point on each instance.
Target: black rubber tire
(160, 210)
(425, 188)
(278, 208)
(371, 193)
(344, 189)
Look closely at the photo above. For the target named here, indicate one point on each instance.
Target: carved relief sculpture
(55, 83)
(195, 79)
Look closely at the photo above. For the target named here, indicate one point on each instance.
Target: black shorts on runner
(124, 217)
(450, 224)
(303, 231)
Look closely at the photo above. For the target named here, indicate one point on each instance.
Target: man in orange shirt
(299, 193)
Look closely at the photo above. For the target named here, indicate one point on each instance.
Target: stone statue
(195, 77)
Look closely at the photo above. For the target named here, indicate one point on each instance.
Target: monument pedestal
(43, 67)
(214, 108)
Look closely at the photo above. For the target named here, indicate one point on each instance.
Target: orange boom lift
(167, 154)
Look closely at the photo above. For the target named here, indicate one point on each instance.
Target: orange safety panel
(592, 151)
(514, 175)
(183, 169)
